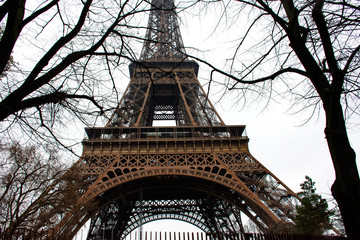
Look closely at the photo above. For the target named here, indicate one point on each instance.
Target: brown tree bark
(346, 188)
(15, 14)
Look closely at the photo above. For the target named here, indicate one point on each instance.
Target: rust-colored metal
(199, 171)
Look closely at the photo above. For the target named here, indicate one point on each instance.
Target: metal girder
(210, 160)
(209, 213)
(173, 87)
(163, 38)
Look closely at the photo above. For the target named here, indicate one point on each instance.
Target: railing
(165, 132)
(242, 236)
(26, 235)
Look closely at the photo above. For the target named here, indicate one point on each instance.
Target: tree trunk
(346, 188)
(15, 14)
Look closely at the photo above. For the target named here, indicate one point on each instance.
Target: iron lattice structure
(199, 171)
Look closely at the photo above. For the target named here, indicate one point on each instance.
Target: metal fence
(22, 235)
(242, 236)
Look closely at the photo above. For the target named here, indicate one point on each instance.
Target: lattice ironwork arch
(195, 181)
(168, 216)
(218, 176)
(199, 211)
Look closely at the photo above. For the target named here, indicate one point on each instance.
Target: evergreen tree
(313, 216)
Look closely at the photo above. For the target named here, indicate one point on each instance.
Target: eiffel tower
(199, 171)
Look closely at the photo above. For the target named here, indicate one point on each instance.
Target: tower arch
(206, 194)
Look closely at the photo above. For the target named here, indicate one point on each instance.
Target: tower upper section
(163, 39)
(163, 84)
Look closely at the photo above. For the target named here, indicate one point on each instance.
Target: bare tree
(312, 49)
(66, 53)
(35, 190)
(25, 177)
